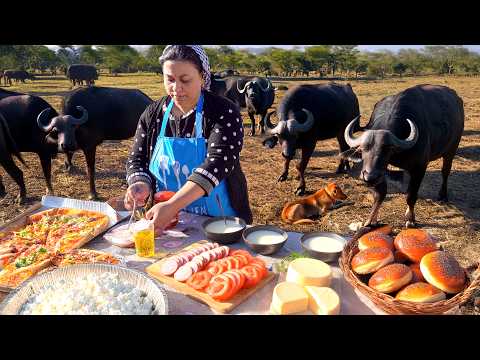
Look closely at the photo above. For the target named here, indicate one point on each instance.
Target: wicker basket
(393, 306)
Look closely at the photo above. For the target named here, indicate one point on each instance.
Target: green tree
(319, 57)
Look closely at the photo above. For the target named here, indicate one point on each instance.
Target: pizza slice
(83, 256)
(25, 265)
(73, 228)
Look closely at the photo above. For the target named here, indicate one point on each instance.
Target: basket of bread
(407, 273)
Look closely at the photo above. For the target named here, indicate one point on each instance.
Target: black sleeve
(225, 141)
(138, 158)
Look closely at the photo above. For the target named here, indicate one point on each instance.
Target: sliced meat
(184, 273)
(169, 267)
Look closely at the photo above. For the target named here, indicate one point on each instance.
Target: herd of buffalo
(407, 130)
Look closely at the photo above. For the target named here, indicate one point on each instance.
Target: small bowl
(265, 249)
(323, 255)
(224, 238)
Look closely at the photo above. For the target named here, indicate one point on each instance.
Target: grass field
(456, 224)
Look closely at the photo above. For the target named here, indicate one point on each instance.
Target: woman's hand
(140, 191)
(162, 215)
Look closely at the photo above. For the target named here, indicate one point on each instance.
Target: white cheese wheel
(306, 271)
(323, 300)
(289, 298)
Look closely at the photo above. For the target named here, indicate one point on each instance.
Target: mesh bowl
(13, 304)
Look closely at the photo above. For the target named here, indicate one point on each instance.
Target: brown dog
(299, 211)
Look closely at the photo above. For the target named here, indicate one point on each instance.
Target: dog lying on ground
(300, 211)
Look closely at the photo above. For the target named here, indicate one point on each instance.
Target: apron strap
(198, 118)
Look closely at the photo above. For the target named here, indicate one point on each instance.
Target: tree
(399, 68)
(319, 56)
(88, 55)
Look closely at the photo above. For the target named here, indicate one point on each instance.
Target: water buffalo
(17, 75)
(92, 115)
(307, 114)
(21, 134)
(408, 130)
(78, 73)
(256, 94)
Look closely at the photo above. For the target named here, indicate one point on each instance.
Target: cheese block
(323, 300)
(306, 271)
(289, 298)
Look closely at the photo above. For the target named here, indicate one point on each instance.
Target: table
(189, 231)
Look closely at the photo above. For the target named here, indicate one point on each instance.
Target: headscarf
(202, 55)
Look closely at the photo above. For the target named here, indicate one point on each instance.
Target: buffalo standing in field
(79, 73)
(19, 133)
(408, 130)
(17, 75)
(307, 114)
(92, 115)
(256, 94)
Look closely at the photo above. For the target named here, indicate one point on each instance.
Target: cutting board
(222, 307)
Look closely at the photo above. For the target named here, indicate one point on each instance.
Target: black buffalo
(92, 115)
(78, 73)
(256, 94)
(20, 133)
(17, 75)
(408, 130)
(307, 114)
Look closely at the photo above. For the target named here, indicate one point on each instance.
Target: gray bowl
(264, 249)
(224, 238)
(320, 255)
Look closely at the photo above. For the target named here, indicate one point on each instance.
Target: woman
(189, 142)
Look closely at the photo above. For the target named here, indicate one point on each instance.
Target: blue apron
(175, 159)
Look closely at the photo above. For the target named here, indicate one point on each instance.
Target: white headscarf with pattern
(202, 55)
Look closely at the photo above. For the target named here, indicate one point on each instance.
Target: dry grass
(457, 224)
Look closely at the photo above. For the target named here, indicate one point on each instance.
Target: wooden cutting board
(222, 307)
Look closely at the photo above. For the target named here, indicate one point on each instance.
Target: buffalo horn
(82, 119)
(408, 142)
(352, 141)
(294, 126)
(42, 119)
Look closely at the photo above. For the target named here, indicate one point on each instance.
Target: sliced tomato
(241, 277)
(252, 274)
(237, 263)
(220, 288)
(261, 265)
(215, 268)
(263, 270)
(229, 262)
(258, 261)
(242, 252)
(200, 280)
(243, 259)
(235, 279)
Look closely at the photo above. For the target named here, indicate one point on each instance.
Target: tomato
(220, 288)
(237, 263)
(243, 259)
(163, 196)
(252, 274)
(199, 280)
(259, 261)
(235, 279)
(215, 268)
(263, 271)
(241, 277)
(261, 265)
(242, 252)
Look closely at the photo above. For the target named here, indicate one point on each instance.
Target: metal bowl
(261, 248)
(224, 238)
(320, 255)
(13, 303)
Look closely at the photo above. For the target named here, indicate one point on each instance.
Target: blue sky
(475, 48)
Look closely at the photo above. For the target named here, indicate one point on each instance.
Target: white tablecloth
(189, 231)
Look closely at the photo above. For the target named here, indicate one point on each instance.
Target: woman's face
(183, 82)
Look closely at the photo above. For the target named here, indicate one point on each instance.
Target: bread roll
(414, 244)
(390, 278)
(443, 271)
(370, 260)
(416, 272)
(420, 292)
(375, 239)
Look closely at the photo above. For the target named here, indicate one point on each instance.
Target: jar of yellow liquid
(144, 238)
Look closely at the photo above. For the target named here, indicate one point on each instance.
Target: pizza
(25, 264)
(28, 249)
(83, 256)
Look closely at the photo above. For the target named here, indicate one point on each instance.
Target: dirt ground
(456, 224)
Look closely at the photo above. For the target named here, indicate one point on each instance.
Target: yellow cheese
(323, 300)
(289, 298)
(306, 271)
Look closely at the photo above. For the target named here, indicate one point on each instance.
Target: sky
(395, 48)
